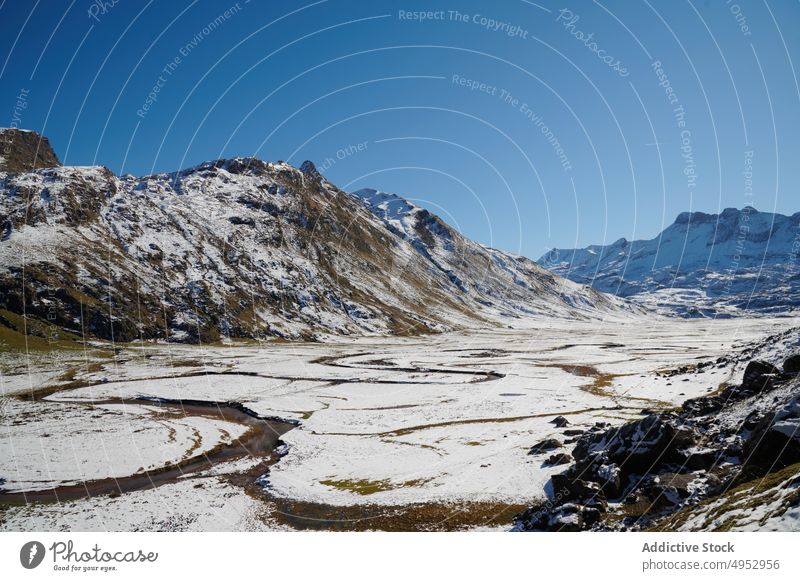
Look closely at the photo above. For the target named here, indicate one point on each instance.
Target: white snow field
(439, 419)
(53, 444)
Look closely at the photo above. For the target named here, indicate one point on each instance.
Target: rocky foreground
(726, 461)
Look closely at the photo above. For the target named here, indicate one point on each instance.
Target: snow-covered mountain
(703, 264)
(503, 283)
(246, 248)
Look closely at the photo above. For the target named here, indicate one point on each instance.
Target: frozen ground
(439, 419)
(201, 504)
(49, 443)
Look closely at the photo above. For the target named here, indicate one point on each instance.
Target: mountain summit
(245, 248)
(23, 150)
(712, 264)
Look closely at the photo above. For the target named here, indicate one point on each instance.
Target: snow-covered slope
(702, 264)
(246, 248)
(503, 283)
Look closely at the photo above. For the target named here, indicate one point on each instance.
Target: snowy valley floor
(417, 433)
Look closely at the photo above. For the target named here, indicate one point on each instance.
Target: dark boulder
(680, 483)
(684, 437)
(568, 487)
(591, 515)
(609, 477)
(775, 442)
(637, 446)
(792, 364)
(559, 459)
(238, 221)
(658, 495)
(759, 375)
(545, 446)
(551, 518)
(564, 518)
(567, 518)
(597, 468)
(560, 422)
(574, 432)
(701, 406)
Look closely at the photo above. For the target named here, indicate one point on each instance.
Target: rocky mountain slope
(726, 461)
(703, 264)
(499, 281)
(246, 248)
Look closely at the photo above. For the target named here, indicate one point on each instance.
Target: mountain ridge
(737, 260)
(25, 150)
(244, 248)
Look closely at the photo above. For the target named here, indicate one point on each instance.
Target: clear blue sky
(570, 140)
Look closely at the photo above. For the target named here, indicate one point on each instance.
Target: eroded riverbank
(259, 441)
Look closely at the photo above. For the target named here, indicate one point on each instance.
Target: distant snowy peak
(738, 259)
(722, 241)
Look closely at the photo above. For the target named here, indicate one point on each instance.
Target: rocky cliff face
(246, 248)
(703, 264)
(22, 151)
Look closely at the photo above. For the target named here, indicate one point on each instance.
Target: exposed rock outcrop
(639, 474)
(22, 151)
